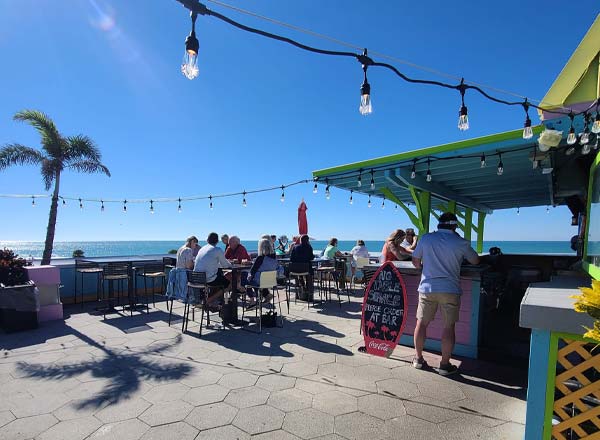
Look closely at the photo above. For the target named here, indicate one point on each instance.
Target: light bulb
(351, 199)
(369, 203)
(315, 189)
(527, 130)
(189, 65)
(547, 210)
(428, 178)
(500, 168)
(535, 164)
(463, 119)
(383, 204)
(151, 207)
(327, 192)
(518, 211)
(483, 160)
(570, 151)
(372, 183)
(395, 207)
(586, 149)
(359, 181)
(80, 204)
(101, 206)
(596, 125)
(125, 206)
(584, 138)
(595, 144)
(282, 197)
(571, 138)
(365, 107)
(64, 203)
(179, 205)
(33, 201)
(210, 205)
(244, 204)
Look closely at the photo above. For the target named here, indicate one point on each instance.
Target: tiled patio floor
(135, 377)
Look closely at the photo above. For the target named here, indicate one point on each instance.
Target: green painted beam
(413, 218)
(480, 226)
(468, 224)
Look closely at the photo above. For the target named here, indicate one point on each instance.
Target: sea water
(64, 249)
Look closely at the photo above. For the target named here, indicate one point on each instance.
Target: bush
(172, 251)
(12, 268)
(78, 253)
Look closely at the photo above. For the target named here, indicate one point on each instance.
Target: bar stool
(196, 282)
(360, 263)
(115, 272)
(325, 276)
(300, 272)
(88, 267)
(153, 272)
(339, 277)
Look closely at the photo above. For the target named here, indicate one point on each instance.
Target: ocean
(64, 249)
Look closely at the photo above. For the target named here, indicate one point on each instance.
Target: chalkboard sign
(384, 311)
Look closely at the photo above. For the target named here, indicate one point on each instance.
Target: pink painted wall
(434, 331)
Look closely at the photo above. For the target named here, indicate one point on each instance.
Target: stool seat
(116, 277)
(91, 270)
(155, 274)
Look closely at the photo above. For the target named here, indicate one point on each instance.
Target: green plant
(78, 153)
(12, 268)
(78, 253)
(172, 251)
(588, 301)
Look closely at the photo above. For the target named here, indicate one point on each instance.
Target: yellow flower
(588, 301)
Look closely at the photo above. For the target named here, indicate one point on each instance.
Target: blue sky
(261, 113)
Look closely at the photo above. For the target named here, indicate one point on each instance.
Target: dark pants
(220, 280)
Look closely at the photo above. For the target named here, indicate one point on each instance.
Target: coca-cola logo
(379, 346)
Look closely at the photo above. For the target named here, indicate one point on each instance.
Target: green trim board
(590, 268)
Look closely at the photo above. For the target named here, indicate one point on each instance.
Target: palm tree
(77, 153)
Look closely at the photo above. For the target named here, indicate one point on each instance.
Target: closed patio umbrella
(302, 222)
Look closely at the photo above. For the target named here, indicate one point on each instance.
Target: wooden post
(468, 223)
(480, 225)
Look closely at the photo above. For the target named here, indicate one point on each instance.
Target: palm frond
(89, 166)
(49, 170)
(17, 154)
(81, 147)
(52, 141)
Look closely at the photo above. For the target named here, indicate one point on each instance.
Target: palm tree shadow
(124, 371)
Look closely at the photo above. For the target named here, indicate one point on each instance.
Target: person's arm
(472, 256)
(189, 264)
(406, 249)
(413, 246)
(311, 253)
(417, 256)
(222, 260)
(255, 266)
(228, 253)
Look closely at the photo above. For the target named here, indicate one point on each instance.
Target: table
(231, 318)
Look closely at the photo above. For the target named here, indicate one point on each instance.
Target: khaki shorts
(449, 304)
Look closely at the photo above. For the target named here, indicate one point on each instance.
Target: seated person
(295, 242)
(211, 260)
(358, 251)
(265, 262)
(225, 241)
(410, 241)
(331, 251)
(185, 254)
(392, 248)
(236, 250)
(303, 253)
(281, 248)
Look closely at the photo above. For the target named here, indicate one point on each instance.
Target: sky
(261, 113)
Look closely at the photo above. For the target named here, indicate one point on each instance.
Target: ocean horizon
(64, 249)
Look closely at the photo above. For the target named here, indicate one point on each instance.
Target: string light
(585, 136)
(413, 172)
(327, 192)
(365, 90)
(571, 138)
(518, 211)
(124, 205)
(189, 65)
(395, 207)
(33, 201)
(596, 125)
(80, 204)
(351, 199)
(63, 202)
(244, 204)
(315, 189)
(151, 207)
(383, 204)
(369, 203)
(463, 118)
(179, 204)
(535, 163)
(428, 177)
(482, 160)
(282, 194)
(372, 180)
(547, 210)
(500, 165)
(586, 149)
(210, 205)
(527, 130)
(359, 181)
(101, 205)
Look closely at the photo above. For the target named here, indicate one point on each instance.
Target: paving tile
(357, 425)
(178, 430)
(373, 372)
(223, 433)
(410, 428)
(27, 427)
(276, 382)
(25, 406)
(297, 423)
(508, 431)
(131, 429)
(398, 388)
(201, 377)
(207, 394)
(431, 410)
(259, 419)
(247, 397)
(462, 429)
(446, 391)
(238, 380)
(126, 409)
(380, 406)
(6, 417)
(76, 429)
(336, 371)
(211, 416)
(166, 393)
(275, 435)
(335, 403)
(292, 399)
(167, 412)
(315, 384)
(299, 369)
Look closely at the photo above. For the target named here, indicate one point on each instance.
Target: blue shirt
(441, 254)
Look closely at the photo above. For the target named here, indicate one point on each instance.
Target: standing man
(440, 255)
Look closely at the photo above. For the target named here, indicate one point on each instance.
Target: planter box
(14, 321)
(19, 306)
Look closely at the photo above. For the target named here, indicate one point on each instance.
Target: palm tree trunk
(51, 222)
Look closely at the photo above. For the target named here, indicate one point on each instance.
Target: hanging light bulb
(33, 201)
(500, 165)
(80, 204)
(527, 130)
(351, 199)
(179, 205)
(596, 125)
(372, 181)
(547, 210)
(428, 176)
(413, 172)
(369, 203)
(595, 144)
(463, 118)
(189, 65)
(244, 204)
(124, 205)
(570, 151)
(535, 163)
(315, 189)
(63, 202)
(395, 207)
(101, 205)
(282, 194)
(327, 192)
(151, 207)
(571, 138)
(383, 204)
(365, 91)
(586, 149)
(359, 180)
(518, 211)
(482, 160)
(210, 205)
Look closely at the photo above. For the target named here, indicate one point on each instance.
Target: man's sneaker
(447, 370)
(419, 363)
